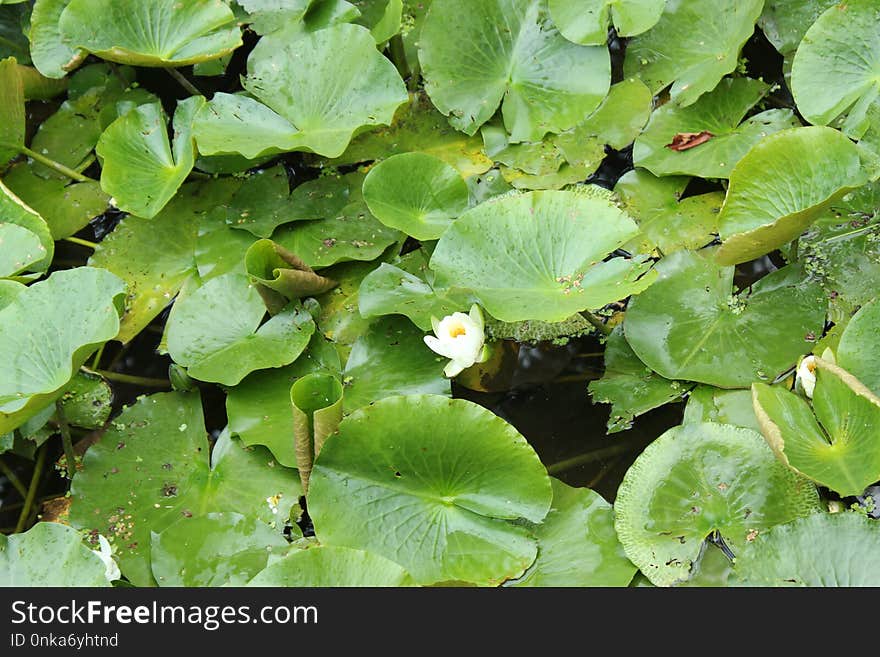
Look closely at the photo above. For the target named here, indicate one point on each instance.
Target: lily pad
(709, 404)
(391, 359)
(629, 385)
(577, 545)
(155, 257)
(67, 316)
(87, 401)
(416, 193)
(446, 476)
(142, 171)
(468, 76)
(587, 21)
(693, 46)
(859, 349)
(667, 221)
(720, 113)
(784, 22)
(151, 32)
(217, 549)
(66, 208)
(419, 127)
(153, 466)
(332, 566)
(262, 203)
(49, 554)
(837, 446)
(26, 242)
(696, 480)
(835, 68)
(215, 344)
(690, 325)
(779, 187)
(52, 54)
(259, 408)
(823, 549)
(547, 260)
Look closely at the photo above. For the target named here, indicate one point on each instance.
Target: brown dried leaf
(685, 140)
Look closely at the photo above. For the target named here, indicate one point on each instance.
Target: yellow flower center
(456, 329)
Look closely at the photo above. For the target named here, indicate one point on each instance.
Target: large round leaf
(720, 113)
(47, 331)
(432, 484)
(332, 566)
(784, 23)
(151, 32)
(546, 261)
(49, 554)
(858, 351)
(216, 331)
(834, 443)
(689, 324)
(577, 545)
(142, 171)
(153, 466)
(587, 21)
(837, 67)
(416, 193)
(823, 549)
(27, 244)
(317, 90)
(693, 45)
(547, 83)
(781, 185)
(217, 549)
(696, 480)
(51, 53)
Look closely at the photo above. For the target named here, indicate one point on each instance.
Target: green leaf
(835, 68)
(823, 549)
(629, 385)
(151, 32)
(859, 349)
(587, 21)
(837, 446)
(216, 331)
(259, 408)
(709, 404)
(416, 193)
(317, 412)
(13, 25)
(577, 545)
(667, 221)
(66, 208)
(418, 127)
(697, 479)
(52, 53)
(25, 238)
(546, 261)
(719, 112)
(445, 475)
(66, 317)
(12, 119)
(153, 466)
(391, 358)
(87, 401)
(690, 325)
(280, 276)
(155, 257)
(262, 203)
(693, 46)
(340, 320)
(217, 549)
(49, 554)
(784, 22)
(779, 187)
(332, 566)
(142, 171)
(546, 83)
(381, 17)
(267, 16)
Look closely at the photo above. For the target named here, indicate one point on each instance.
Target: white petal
(806, 375)
(453, 368)
(111, 570)
(441, 347)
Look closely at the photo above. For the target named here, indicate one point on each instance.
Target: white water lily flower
(806, 375)
(460, 338)
(111, 570)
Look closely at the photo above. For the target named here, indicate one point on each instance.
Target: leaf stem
(81, 242)
(597, 323)
(13, 479)
(591, 457)
(96, 361)
(134, 380)
(86, 163)
(66, 440)
(52, 164)
(32, 489)
(186, 84)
